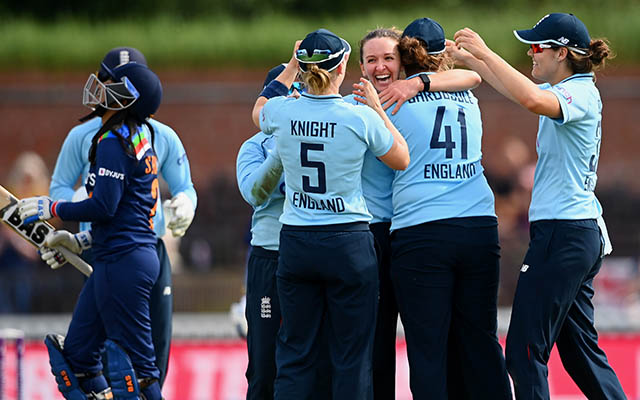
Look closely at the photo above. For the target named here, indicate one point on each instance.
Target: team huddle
(366, 207)
(415, 233)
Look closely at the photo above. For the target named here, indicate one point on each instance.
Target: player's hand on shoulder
(52, 257)
(36, 208)
(180, 212)
(398, 92)
(74, 242)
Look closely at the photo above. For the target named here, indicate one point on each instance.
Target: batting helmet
(147, 85)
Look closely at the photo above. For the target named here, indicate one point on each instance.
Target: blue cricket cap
(117, 57)
(560, 29)
(429, 31)
(324, 48)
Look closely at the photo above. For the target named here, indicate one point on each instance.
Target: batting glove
(52, 257)
(180, 212)
(74, 242)
(36, 208)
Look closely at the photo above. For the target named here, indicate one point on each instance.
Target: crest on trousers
(265, 307)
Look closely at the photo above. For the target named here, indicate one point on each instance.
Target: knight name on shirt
(460, 97)
(449, 171)
(302, 200)
(313, 128)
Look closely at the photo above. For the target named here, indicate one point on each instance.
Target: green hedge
(224, 41)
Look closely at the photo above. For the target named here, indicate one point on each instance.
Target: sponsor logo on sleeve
(110, 174)
(565, 93)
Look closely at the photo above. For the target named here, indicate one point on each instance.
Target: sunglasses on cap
(317, 56)
(299, 86)
(539, 47)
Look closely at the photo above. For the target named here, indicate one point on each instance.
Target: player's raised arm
(278, 87)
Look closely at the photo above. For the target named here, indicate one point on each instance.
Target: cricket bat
(37, 232)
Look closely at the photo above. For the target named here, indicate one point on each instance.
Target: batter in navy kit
(113, 307)
(327, 261)
(173, 166)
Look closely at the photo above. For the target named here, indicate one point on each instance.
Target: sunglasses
(299, 86)
(317, 56)
(539, 47)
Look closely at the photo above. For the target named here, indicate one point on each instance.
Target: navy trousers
(445, 275)
(161, 311)
(114, 304)
(552, 305)
(326, 272)
(384, 347)
(263, 321)
(160, 308)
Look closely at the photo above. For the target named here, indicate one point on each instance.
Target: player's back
(445, 177)
(321, 141)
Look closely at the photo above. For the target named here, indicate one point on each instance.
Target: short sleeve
(574, 105)
(269, 113)
(377, 137)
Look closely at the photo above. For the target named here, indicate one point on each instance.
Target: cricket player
(173, 166)
(113, 308)
(327, 261)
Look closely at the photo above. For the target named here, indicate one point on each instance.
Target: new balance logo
(524, 268)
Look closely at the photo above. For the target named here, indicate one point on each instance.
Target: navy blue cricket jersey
(123, 192)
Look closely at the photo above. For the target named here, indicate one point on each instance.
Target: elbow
(476, 80)
(401, 163)
(255, 118)
(404, 164)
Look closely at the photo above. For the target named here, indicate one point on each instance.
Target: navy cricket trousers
(263, 321)
(161, 312)
(384, 347)
(553, 304)
(114, 304)
(326, 272)
(445, 275)
(160, 309)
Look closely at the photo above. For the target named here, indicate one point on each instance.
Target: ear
(342, 67)
(561, 54)
(362, 69)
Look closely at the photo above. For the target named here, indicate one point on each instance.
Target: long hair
(122, 117)
(415, 57)
(316, 79)
(597, 53)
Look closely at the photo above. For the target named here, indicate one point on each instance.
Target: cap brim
(347, 46)
(330, 65)
(528, 36)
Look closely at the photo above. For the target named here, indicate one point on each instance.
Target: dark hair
(122, 117)
(414, 56)
(595, 58)
(393, 33)
(97, 112)
(317, 79)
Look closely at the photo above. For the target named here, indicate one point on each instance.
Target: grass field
(213, 42)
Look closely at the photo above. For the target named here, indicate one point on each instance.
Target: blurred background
(212, 56)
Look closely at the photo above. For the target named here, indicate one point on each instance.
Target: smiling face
(545, 64)
(380, 61)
